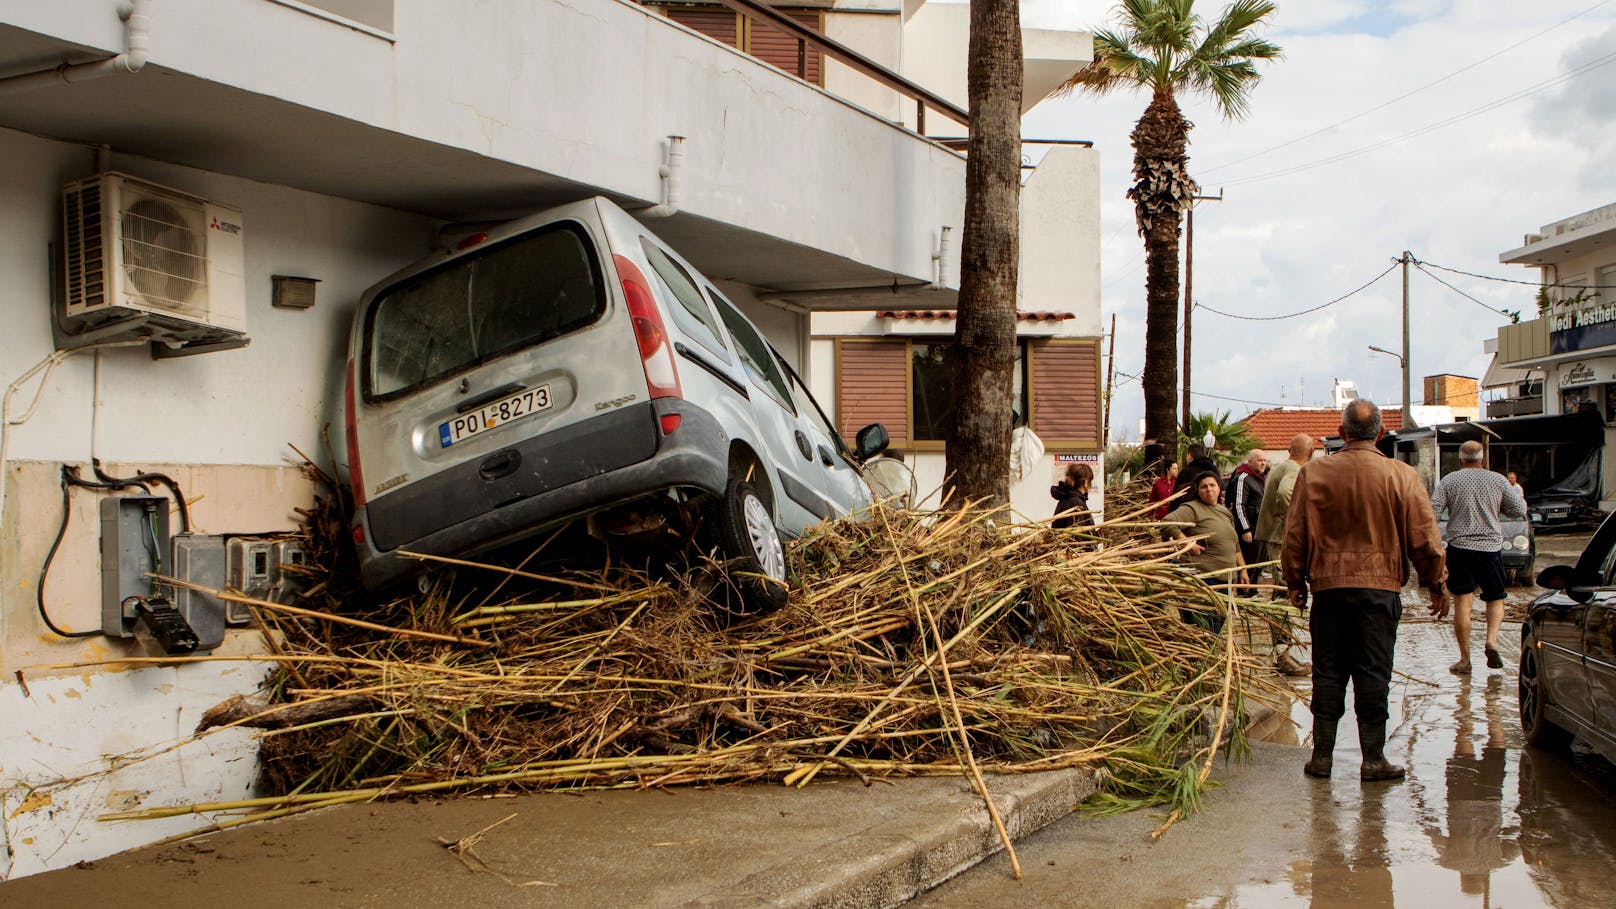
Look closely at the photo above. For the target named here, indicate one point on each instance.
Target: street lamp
(1397, 357)
(1209, 440)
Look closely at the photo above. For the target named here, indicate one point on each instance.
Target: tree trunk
(977, 454)
(1161, 192)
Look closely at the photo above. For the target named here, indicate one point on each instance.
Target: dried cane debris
(913, 643)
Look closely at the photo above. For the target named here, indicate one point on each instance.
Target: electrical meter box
(134, 542)
(200, 559)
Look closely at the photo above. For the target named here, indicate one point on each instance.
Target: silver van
(568, 365)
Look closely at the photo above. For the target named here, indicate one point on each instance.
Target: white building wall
(1059, 271)
(502, 78)
(223, 424)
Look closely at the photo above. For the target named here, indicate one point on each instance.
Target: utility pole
(1408, 419)
(1110, 383)
(1189, 290)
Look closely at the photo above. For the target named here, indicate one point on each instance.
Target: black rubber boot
(1323, 750)
(1372, 739)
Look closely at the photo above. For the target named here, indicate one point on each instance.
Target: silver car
(570, 365)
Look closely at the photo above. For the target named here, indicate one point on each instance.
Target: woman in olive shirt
(1220, 547)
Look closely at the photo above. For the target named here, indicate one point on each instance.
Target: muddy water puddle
(1480, 821)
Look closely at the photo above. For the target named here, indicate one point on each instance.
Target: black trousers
(1354, 634)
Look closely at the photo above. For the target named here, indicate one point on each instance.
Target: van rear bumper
(605, 461)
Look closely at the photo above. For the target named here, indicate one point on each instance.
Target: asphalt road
(1481, 821)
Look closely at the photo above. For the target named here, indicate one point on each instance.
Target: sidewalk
(833, 844)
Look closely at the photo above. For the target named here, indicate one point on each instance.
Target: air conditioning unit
(145, 262)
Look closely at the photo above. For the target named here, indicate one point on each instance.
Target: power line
(1471, 274)
(1456, 118)
(1406, 95)
(1305, 311)
(1492, 309)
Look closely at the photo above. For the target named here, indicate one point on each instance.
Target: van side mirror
(870, 441)
(1567, 579)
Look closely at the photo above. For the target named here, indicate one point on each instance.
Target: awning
(1498, 376)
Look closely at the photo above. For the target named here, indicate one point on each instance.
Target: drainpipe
(939, 258)
(670, 181)
(135, 21)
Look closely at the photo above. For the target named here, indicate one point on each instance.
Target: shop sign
(1582, 329)
(1588, 372)
(1077, 458)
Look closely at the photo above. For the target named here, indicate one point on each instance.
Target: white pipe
(939, 258)
(132, 60)
(669, 172)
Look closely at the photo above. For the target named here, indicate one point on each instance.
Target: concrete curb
(898, 858)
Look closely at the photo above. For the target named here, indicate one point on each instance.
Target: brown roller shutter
(779, 49)
(873, 387)
(1066, 392)
(720, 24)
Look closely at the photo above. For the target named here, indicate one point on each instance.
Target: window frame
(367, 353)
(1023, 391)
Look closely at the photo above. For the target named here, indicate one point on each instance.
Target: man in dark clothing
(1196, 466)
(1243, 496)
(1357, 519)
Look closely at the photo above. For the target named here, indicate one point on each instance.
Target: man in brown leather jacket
(1357, 518)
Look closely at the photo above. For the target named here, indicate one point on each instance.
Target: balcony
(505, 107)
(1523, 342)
(1514, 407)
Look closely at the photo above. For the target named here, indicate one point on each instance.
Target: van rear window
(479, 307)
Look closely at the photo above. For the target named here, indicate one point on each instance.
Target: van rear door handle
(500, 464)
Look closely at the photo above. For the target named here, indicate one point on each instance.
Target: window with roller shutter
(873, 386)
(759, 39)
(1065, 388)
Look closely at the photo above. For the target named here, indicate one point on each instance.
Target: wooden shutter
(1066, 391)
(720, 24)
(872, 386)
(779, 49)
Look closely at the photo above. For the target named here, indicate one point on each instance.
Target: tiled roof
(1041, 316)
(1274, 426)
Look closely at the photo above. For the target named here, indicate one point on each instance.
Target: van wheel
(750, 544)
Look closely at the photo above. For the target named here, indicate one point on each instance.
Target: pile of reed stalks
(913, 643)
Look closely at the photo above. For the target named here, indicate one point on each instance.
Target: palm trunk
(977, 453)
(1162, 191)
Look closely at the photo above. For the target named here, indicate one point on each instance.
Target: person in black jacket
(1243, 496)
(1071, 497)
(1196, 465)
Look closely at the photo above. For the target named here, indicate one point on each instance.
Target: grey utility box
(201, 559)
(134, 541)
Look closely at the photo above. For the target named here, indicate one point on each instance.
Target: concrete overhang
(181, 118)
(1563, 240)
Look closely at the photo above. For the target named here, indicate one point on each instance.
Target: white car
(570, 364)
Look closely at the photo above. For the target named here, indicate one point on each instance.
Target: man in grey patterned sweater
(1474, 499)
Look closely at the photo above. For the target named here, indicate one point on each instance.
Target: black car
(1568, 651)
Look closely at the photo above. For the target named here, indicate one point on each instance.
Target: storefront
(1588, 385)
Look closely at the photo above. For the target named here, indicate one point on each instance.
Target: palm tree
(1232, 441)
(1164, 47)
(977, 452)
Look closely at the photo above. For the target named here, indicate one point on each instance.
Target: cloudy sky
(1449, 128)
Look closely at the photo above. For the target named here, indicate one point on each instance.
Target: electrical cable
(1431, 127)
(1492, 309)
(142, 478)
(1409, 94)
(1304, 312)
(39, 589)
(1470, 274)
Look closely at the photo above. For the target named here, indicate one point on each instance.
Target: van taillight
(351, 423)
(656, 354)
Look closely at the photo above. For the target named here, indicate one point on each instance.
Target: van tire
(749, 543)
